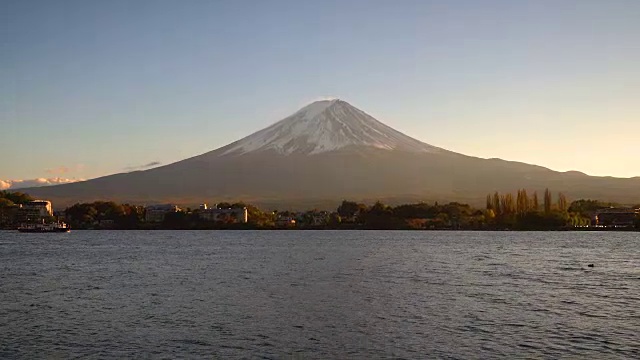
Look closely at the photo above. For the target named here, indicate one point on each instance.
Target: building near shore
(230, 215)
(8, 215)
(320, 218)
(285, 221)
(34, 211)
(616, 217)
(40, 207)
(156, 213)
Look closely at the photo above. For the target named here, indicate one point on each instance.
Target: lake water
(319, 295)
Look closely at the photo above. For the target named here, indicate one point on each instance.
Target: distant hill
(326, 152)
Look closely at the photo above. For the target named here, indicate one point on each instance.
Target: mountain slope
(329, 151)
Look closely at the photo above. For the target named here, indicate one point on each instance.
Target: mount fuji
(328, 151)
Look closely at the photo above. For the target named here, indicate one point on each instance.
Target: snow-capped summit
(324, 126)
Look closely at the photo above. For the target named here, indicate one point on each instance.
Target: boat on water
(44, 228)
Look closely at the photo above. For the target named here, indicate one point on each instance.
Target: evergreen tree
(535, 204)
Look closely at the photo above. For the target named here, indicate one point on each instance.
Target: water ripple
(318, 295)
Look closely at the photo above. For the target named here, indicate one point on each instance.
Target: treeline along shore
(519, 211)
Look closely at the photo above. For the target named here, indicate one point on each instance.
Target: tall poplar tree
(562, 202)
(522, 202)
(496, 203)
(506, 202)
(547, 201)
(510, 204)
(526, 202)
(536, 204)
(520, 208)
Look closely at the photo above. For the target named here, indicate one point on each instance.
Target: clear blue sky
(89, 88)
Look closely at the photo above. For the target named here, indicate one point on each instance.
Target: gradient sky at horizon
(90, 88)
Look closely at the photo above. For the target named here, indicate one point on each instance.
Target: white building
(237, 215)
(34, 211)
(42, 207)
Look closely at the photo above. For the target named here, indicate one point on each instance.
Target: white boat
(44, 228)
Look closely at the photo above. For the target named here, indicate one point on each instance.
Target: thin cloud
(325, 98)
(145, 166)
(27, 183)
(318, 98)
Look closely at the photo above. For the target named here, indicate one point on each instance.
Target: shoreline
(368, 229)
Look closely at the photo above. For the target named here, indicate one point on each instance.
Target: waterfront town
(502, 212)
